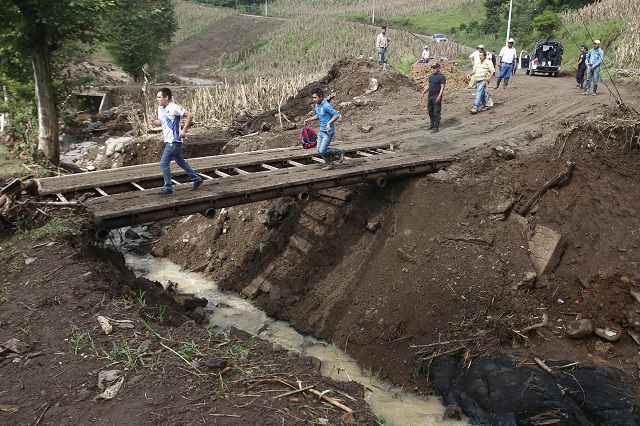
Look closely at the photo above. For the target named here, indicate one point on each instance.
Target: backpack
(308, 137)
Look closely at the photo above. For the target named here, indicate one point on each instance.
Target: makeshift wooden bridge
(128, 196)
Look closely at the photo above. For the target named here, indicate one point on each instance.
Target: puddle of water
(397, 407)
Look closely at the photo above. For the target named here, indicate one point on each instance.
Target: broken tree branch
(557, 179)
(545, 321)
(544, 366)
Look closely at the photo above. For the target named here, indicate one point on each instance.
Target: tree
(139, 32)
(547, 22)
(37, 28)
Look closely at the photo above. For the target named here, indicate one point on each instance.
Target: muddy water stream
(397, 407)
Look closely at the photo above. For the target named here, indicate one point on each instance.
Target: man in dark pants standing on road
(435, 87)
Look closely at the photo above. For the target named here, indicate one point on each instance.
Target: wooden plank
(138, 186)
(206, 176)
(151, 171)
(295, 163)
(240, 171)
(221, 174)
(268, 167)
(365, 154)
(101, 191)
(241, 187)
(61, 197)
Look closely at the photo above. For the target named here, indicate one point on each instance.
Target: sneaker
(594, 93)
(430, 128)
(328, 167)
(435, 130)
(585, 93)
(474, 110)
(341, 156)
(165, 191)
(196, 185)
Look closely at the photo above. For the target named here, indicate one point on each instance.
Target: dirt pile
(350, 82)
(456, 78)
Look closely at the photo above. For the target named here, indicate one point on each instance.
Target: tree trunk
(48, 142)
(5, 120)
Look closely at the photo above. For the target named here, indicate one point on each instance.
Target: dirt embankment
(392, 272)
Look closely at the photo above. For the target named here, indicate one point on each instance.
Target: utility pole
(266, 7)
(373, 13)
(509, 21)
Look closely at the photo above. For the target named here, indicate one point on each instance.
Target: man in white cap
(475, 60)
(475, 56)
(424, 59)
(594, 60)
(507, 61)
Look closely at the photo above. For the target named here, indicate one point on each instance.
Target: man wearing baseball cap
(594, 60)
(475, 56)
(581, 66)
(435, 87)
(507, 60)
(475, 60)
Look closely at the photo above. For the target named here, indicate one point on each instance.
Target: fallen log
(549, 184)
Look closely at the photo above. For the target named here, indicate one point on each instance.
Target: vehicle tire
(528, 72)
(533, 72)
(556, 74)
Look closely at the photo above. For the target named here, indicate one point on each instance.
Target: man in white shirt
(475, 56)
(382, 42)
(169, 115)
(475, 60)
(507, 61)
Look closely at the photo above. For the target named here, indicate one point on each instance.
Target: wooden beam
(240, 171)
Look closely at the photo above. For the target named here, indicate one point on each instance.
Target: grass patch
(8, 250)
(57, 228)
(442, 21)
(5, 289)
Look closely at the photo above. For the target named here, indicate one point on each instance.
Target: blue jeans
(173, 151)
(592, 75)
(481, 94)
(324, 139)
(382, 55)
(505, 72)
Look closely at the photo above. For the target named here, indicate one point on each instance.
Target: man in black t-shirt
(435, 87)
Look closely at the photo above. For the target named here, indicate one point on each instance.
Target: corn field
(313, 8)
(628, 52)
(299, 49)
(291, 56)
(219, 106)
(193, 18)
